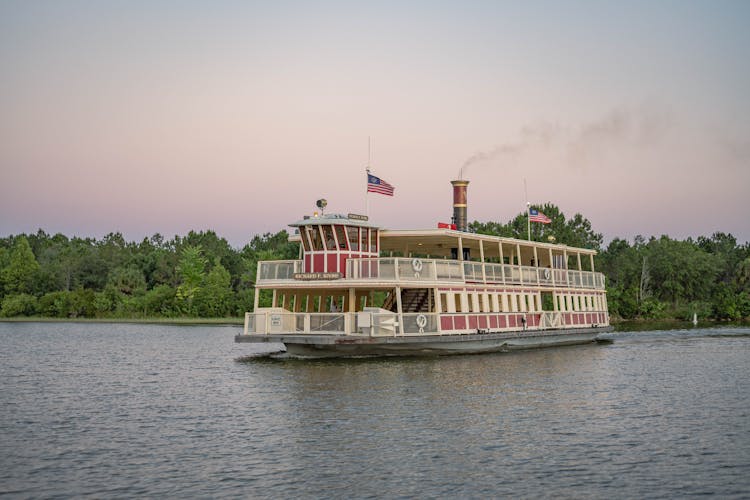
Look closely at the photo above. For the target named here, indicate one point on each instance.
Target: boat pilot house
(357, 289)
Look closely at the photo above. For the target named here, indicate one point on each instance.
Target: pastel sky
(165, 116)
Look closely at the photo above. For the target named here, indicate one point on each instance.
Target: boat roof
(440, 241)
(349, 220)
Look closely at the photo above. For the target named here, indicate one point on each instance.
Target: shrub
(21, 304)
(54, 304)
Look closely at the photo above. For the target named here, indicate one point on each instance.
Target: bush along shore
(201, 276)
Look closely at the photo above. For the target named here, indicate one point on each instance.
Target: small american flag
(378, 185)
(537, 216)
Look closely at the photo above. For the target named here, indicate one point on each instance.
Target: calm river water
(122, 410)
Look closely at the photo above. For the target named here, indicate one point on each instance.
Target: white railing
(249, 323)
(403, 269)
(381, 323)
(551, 320)
(418, 323)
(386, 324)
(398, 269)
(282, 321)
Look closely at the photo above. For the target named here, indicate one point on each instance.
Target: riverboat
(360, 290)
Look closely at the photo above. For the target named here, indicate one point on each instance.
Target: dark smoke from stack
(582, 146)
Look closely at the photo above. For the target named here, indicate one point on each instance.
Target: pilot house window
(341, 237)
(330, 242)
(353, 238)
(363, 235)
(315, 240)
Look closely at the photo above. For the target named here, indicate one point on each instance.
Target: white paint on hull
(322, 346)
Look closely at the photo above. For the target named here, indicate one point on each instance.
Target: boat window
(373, 240)
(363, 236)
(341, 237)
(305, 241)
(458, 302)
(353, 237)
(328, 233)
(315, 239)
(444, 303)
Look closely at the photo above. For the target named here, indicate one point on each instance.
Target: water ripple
(152, 410)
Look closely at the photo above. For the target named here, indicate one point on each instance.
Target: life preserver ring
(416, 264)
(546, 274)
(421, 321)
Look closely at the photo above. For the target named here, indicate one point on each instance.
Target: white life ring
(416, 264)
(421, 321)
(546, 274)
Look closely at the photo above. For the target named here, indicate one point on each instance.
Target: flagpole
(528, 210)
(528, 220)
(367, 196)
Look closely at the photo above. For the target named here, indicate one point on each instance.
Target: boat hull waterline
(325, 346)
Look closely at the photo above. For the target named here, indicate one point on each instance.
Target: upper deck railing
(399, 269)
(275, 270)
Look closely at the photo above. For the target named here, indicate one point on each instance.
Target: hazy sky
(146, 117)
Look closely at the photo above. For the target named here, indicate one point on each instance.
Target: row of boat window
(474, 302)
(333, 237)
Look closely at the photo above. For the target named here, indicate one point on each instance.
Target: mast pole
(528, 210)
(367, 168)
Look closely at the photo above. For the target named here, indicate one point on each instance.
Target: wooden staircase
(412, 300)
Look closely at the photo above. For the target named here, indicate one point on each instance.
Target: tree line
(654, 278)
(199, 275)
(202, 275)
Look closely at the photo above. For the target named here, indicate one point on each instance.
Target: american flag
(378, 185)
(537, 216)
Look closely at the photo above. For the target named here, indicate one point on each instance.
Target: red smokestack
(459, 204)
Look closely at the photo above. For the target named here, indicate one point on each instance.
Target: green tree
(157, 261)
(726, 304)
(127, 280)
(576, 232)
(55, 304)
(215, 250)
(160, 301)
(680, 270)
(108, 301)
(214, 298)
(21, 269)
(21, 304)
(191, 270)
(81, 303)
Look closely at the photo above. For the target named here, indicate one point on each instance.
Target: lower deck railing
(381, 323)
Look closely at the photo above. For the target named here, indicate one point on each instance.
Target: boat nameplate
(317, 276)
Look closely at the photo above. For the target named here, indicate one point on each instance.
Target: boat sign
(317, 276)
(357, 217)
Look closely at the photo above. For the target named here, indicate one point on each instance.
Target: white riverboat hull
(326, 346)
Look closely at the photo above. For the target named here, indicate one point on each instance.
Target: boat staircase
(412, 300)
